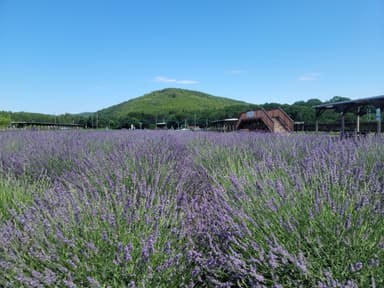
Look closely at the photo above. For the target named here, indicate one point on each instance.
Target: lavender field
(184, 209)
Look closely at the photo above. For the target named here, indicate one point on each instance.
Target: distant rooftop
(225, 120)
(345, 106)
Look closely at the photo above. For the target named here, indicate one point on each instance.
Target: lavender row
(302, 211)
(112, 216)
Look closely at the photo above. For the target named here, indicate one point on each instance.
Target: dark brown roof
(345, 106)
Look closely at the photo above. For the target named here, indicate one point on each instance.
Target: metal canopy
(354, 106)
(33, 123)
(348, 106)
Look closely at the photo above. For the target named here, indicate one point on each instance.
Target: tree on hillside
(338, 99)
(272, 105)
(4, 121)
(313, 102)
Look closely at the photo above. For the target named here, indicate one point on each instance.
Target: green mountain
(172, 106)
(169, 101)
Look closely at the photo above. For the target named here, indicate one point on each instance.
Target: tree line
(300, 111)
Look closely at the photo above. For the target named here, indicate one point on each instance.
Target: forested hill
(172, 101)
(173, 106)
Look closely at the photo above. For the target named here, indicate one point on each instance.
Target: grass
(18, 193)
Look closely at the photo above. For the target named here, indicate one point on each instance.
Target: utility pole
(378, 119)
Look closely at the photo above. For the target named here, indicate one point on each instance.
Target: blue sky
(73, 56)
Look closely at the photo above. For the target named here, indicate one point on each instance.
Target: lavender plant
(168, 209)
(303, 211)
(16, 194)
(113, 219)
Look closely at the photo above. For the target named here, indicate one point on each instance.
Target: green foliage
(338, 99)
(4, 121)
(7, 117)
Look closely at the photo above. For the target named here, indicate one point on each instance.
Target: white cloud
(187, 82)
(309, 76)
(161, 79)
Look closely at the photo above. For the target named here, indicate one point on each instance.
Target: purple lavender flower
(93, 282)
(272, 260)
(167, 249)
(144, 252)
(356, 266)
(374, 263)
(348, 222)
(271, 205)
(69, 284)
(104, 235)
(127, 252)
(351, 284)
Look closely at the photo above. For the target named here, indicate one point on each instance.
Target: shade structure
(355, 106)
